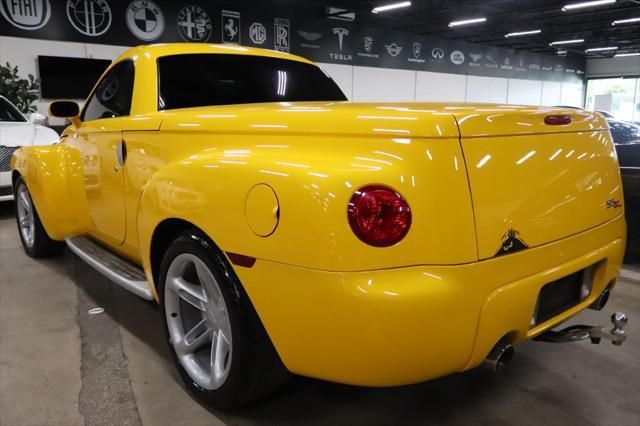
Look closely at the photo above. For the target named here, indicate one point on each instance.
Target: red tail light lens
(379, 216)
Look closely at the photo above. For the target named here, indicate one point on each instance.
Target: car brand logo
(613, 203)
(368, 44)
(340, 32)
(437, 53)
(457, 57)
(194, 24)
(231, 27)
(309, 36)
(145, 19)
(558, 68)
(257, 33)
(281, 38)
(491, 60)
(26, 14)
(91, 18)
(475, 57)
(507, 61)
(393, 49)
(417, 49)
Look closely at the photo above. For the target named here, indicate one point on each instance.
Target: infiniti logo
(437, 53)
(340, 32)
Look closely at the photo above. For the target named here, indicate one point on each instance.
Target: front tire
(218, 343)
(35, 240)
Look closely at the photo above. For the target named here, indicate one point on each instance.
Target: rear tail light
(379, 216)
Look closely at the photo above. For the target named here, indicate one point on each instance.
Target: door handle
(122, 152)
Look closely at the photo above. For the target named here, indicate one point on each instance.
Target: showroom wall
(613, 67)
(359, 83)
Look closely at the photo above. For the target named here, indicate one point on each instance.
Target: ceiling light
(578, 40)
(521, 33)
(622, 55)
(572, 6)
(601, 49)
(625, 21)
(391, 6)
(467, 22)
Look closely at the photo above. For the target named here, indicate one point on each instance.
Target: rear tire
(206, 311)
(35, 240)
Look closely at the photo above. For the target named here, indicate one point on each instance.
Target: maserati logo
(26, 14)
(437, 53)
(393, 49)
(340, 32)
(257, 33)
(194, 24)
(457, 57)
(92, 18)
(368, 44)
(417, 49)
(309, 36)
(145, 19)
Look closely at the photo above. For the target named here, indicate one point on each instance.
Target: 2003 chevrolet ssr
(283, 229)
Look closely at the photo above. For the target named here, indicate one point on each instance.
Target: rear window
(217, 79)
(8, 112)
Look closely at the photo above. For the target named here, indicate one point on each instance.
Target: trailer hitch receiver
(575, 333)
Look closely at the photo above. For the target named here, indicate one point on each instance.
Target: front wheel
(218, 343)
(35, 240)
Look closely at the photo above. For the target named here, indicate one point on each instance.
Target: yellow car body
(273, 181)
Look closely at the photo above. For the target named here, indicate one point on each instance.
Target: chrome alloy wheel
(198, 321)
(26, 218)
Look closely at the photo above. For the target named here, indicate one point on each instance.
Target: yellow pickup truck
(285, 230)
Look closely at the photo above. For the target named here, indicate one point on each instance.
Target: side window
(112, 97)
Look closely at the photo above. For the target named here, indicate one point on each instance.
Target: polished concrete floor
(60, 365)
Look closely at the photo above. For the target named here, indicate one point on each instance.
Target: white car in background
(17, 131)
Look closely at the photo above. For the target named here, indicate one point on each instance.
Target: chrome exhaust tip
(499, 357)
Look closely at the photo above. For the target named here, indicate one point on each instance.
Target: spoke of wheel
(24, 222)
(192, 294)
(219, 349)
(195, 338)
(206, 279)
(25, 201)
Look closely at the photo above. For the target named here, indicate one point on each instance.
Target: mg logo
(26, 14)
(257, 33)
(340, 32)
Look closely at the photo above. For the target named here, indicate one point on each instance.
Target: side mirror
(38, 119)
(64, 109)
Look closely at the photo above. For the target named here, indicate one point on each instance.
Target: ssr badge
(145, 19)
(26, 14)
(194, 24)
(511, 242)
(90, 17)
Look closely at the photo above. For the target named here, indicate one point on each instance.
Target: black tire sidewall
(193, 242)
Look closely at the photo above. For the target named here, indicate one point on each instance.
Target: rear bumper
(406, 325)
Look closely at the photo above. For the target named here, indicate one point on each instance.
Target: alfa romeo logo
(26, 14)
(194, 24)
(90, 17)
(145, 19)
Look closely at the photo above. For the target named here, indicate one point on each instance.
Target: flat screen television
(69, 77)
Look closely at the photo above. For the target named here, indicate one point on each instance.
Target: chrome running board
(122, 272)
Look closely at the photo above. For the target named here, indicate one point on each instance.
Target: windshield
(8, 112)
(220, 79)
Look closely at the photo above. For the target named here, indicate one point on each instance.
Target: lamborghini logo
(511, 242)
